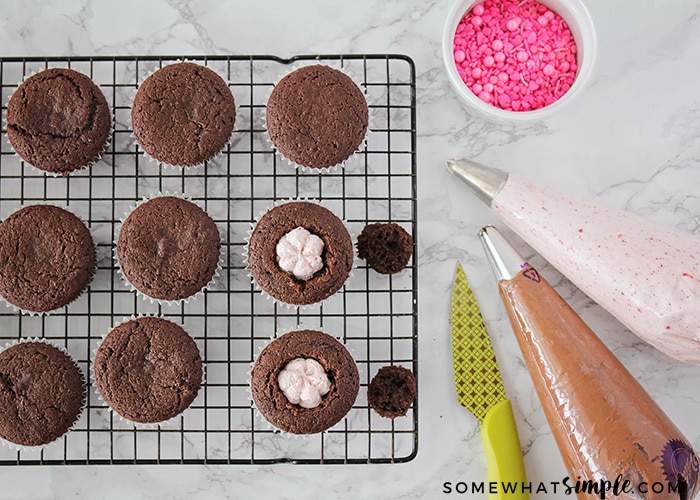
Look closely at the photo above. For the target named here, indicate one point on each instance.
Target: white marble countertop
(631, 140)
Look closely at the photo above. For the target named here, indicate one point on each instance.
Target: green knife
(480, 390)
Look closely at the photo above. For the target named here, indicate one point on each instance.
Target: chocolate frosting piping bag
(607, 427)
(645, 274)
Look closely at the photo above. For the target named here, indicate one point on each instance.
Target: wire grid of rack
(376, 316)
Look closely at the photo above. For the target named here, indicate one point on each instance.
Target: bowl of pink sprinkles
(519, 60)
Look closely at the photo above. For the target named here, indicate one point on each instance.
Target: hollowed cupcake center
(299, 253)
(304, 382)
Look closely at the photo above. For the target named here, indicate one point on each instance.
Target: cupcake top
(58, 121)
(168, 248)
(386, 247)
(183, 114)
(317, 116)
(148, 370)
(41, 395)
(300, 266)
(392, 391)
(47, 258)
(304, 382)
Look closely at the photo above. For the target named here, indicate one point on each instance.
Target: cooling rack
(376, 316)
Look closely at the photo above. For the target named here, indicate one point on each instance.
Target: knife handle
(504, 456)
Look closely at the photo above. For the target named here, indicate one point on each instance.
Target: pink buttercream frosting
(304, 382)
(299, 253)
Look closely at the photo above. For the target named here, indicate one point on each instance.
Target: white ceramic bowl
(576, 15)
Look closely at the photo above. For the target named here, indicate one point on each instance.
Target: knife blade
(480, 390)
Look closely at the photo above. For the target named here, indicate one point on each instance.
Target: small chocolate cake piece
(337, 253)
(148, 370)
(47, 258)
(392, 391)
(338, 364)
(317, 116)
(386, 247)
(58, 120)
(42, 392)
(168, 248)
(183, 114)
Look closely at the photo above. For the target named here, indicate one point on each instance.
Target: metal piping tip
(505, 261)
(485, 182)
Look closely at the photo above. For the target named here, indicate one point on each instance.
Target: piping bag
(645, 274)
(608, 429)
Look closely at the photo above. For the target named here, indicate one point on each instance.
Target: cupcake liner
(23, 448)
(258, 415)
(350, 159)
(265, 294)
(161, 302)
(171, 422)
(92, 274)
(95, 160)
(169, 165)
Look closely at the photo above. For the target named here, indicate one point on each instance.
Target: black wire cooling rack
(376, 316)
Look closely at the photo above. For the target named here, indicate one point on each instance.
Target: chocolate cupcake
(42, 393)
(387, 248)
(168, 249)
(304, 382)
(300, 253)
(183, 114)
(317, 117)
(392, 391)
(58, 121)
(47, 258)
(148, 370)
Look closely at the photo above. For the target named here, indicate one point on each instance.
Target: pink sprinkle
(517, 55)
(512, 24)
(504, 100)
